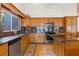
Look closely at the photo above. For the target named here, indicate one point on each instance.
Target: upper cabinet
(28, 21)
(77, 24)
(38, 22)
(71, 24)
(58, 22)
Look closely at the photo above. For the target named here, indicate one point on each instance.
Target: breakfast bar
(65, 45)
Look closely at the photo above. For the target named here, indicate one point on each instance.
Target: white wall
(77, 13)
(48, 10)
(70, 9)
(20, 6)
(45, 11)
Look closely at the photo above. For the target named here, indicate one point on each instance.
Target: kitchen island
(65, 45)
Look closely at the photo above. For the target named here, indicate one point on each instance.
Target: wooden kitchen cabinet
(32, 37)
(37, 38)
(37, 22)
(59, 48)
(72, 44)
(58, 22)
(72, 48)
(4, 49)
(28, 21)
(66, 48)
(42, 37)
(71, 25)
(24, 43)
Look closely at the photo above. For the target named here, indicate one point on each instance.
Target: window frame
(11, 14)
(18, 22)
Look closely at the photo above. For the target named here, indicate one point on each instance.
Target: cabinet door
(37, 38)
(72, 48)
(68, 24)
(32, 37)
(24, 43)
(27, 40)
(71, 24)
(54, 46)
(72, 44)
(4, 49)
(74, 26)
(28, 21)
(61, 48)
(42, 37)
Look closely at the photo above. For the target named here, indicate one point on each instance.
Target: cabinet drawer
(73, 44)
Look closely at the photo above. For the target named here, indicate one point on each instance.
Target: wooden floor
(40, 50)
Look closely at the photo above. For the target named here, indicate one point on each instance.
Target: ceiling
(48, 9)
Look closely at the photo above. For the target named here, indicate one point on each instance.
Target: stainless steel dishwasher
(15, 47)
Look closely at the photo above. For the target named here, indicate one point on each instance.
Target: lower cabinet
(4, 49)
(59, 48)
(32, 37)
(24, 43)
(72, 48)
(66, 48)
(37, 38)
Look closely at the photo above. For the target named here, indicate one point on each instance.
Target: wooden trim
(8, 9)
(18, 13)
(17, 9)
(0, 6)
(69, 16)
(47, 17)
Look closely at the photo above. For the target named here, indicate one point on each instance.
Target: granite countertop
(65, 37)
(9, 38)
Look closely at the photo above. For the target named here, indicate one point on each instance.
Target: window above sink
(10, 21)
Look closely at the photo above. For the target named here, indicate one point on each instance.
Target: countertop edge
(9, 38)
